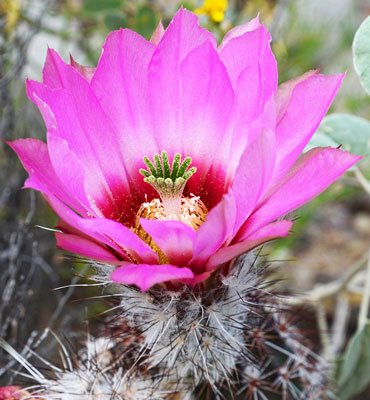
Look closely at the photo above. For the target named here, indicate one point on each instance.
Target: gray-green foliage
(361, 53)
(348, 131)
(354, 375)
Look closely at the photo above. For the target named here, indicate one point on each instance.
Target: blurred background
(331, 234)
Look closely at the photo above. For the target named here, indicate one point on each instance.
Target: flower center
(169, 182)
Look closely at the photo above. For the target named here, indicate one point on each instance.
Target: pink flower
(12, 393)
(177, 95)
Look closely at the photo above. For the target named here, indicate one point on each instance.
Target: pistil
(168, 181)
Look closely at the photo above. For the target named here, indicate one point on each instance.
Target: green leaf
(346, 130)
(95, 6)
(361, 53)
(145, 21)
(115, 21)
(354, 376)
(320, 140)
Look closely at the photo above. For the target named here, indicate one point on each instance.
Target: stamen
(193, 213)
(168, 181)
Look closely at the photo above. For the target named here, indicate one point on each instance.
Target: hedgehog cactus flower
(174, 156)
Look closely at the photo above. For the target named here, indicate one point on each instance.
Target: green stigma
(169, 181)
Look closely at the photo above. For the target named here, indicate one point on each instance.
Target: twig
(324, 331)
(331, 289)
(364, 309)
(62, 302)
(362, 180)
(339, 327)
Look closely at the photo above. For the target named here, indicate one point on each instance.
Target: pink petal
(239, 31)
(249, 92)
(197, 279)
(265, 234)
(86, 72)
(68, 168)
(215, 231)
(121, 85)
(252, 69)
(35, 158)
(64, 161)
(246, 108)
(70, 224)
(53, 75)
(121, 236)
(45, 110)
(250, 49)
(244, 131)
(84, 247)
(180, 38)
(266, 121)
(86, 130)
(157, 34)
(56, 77)
(174, 238)
(308, 104)
(145, 276)
(253, 175)
(310, 176)
(207, 100)
(284, 93)
(111, 233)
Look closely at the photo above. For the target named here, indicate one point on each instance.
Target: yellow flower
(11, 9)
(215, 9)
